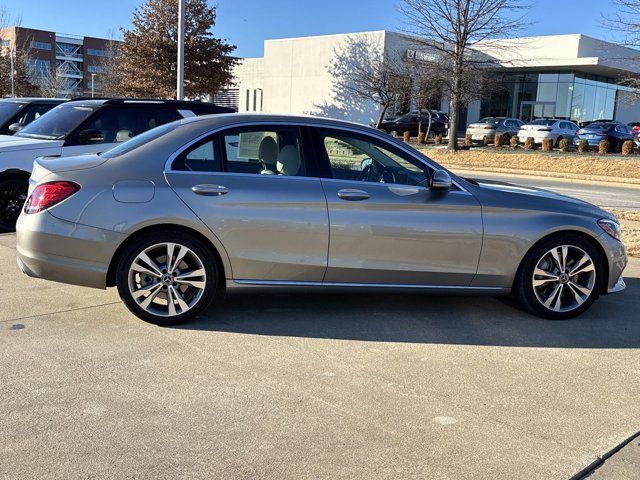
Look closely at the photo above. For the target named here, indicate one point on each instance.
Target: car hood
(538, 197)
(12, 143)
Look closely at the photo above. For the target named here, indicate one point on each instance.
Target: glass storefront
(569, 95)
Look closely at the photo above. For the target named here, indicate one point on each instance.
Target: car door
(256, 190)
(106, 128)
(386, 225)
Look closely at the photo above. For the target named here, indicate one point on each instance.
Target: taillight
(48, 194)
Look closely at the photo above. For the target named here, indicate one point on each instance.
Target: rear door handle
(210, 190)
(352, 194)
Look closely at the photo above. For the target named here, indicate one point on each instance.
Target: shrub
(583, 146)
(530, 144)
(438, 139)
(421, 138)
(468, 140)
(514, 142)
(604, 147)
(547, 144)
(564, 145)
(406, 136)
(628, 147)
(485, 141)
(498, 140)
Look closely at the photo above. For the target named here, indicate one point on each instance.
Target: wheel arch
(113, 265)
(13, 173)
(579, 233)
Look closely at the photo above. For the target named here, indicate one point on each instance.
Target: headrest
(123, 135)
(288, 161)
(268, 150)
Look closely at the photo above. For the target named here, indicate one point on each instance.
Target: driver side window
(356, 159)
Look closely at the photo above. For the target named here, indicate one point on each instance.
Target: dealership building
(573, 77)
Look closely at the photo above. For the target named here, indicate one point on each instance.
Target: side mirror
(16, 127)
(441, 181)
(91, 136)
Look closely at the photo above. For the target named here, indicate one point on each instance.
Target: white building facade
(565, 76)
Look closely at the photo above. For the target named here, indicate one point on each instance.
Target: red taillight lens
(49, 194)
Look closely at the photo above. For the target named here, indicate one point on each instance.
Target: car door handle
(210, 190)
(352, 194)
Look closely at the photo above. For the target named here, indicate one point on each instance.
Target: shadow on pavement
(613, 322)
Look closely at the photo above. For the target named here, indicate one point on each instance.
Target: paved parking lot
(310, 386)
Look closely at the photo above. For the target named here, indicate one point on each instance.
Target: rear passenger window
(202, 157)
(272, 151)
(160, 116)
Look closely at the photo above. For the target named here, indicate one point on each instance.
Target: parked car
(77, 127)
(411, 121)
(193, 207)
(16, 113)
(553, 128)
(635, 126)
(615, 133)
(589, 122)
(488, 127)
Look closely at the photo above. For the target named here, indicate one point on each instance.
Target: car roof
(33, 100)
(88, 101)
(229, 119)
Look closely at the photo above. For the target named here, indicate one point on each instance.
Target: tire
(13, 193)
(163, 282)
(560, 138)
(589, 278)
(506, 138)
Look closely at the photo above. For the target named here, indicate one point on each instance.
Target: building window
(246, 103)
(5, 43)
(68, 50)
(97, 52)
(40, 45)
(255, 99)
(38, 67)
(95, 69)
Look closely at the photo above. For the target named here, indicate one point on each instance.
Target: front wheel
(167, 278)
(13, 193)
(560, 277)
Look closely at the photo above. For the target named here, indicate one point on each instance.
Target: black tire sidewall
(524, 281)
(5, 227)
(132, 251)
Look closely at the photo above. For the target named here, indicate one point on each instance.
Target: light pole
(180, 70)
(12, 53)
(93, 75)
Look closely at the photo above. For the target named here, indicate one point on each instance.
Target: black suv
(15, 113)
(410, 122)
(76, 127)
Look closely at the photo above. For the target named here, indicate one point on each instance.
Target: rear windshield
(58, 122)
(491, 120)
(140, 140)
(543, 121)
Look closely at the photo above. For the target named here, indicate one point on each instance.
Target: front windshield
(8, 110)
(58, 122)
(140, 140)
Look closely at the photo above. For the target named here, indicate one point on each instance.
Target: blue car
(616, 133)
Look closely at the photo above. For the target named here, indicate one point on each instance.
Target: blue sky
(248, 22)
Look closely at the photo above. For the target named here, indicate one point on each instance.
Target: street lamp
(93, 75)
(180, 73)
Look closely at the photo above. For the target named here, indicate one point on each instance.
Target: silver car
(486, 128)
(197, 206)
(551, 128)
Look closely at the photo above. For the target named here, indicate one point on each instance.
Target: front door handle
(352, 194)
(210, 190)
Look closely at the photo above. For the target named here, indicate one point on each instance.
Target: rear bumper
(66, 252)
(593, 142)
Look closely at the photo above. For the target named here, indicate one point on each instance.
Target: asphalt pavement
(311, 386)
(603, 194)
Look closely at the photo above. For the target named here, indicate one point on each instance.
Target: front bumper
(62, 251)
(617, 260)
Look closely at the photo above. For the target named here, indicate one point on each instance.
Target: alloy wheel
(167, 279)
(564, 278)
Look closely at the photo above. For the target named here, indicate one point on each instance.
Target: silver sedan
(192, 208)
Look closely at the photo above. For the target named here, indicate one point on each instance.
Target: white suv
(79, 127)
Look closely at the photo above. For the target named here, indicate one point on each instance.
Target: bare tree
(361, 71)
(450, 27)
(426, 92)
(626, 21)
(15, 75)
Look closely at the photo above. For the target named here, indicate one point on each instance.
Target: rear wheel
(506, 139)
(167, 278)
(560, 278)
(560, 138)
(13, 193)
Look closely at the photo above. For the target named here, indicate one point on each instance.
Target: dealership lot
(310, 385)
